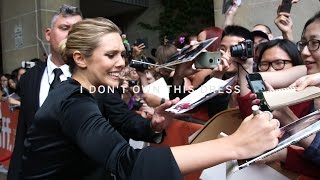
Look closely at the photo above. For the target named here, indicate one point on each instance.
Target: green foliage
(183, 16)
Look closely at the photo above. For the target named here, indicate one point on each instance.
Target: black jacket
(69, 138)
(28, 89)
(128, 123)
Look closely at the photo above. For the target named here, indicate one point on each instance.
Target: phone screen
(258, 86)
(256, 83)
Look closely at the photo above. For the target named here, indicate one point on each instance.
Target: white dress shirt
(48, 77)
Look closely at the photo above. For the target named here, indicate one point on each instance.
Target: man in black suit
(34, 85)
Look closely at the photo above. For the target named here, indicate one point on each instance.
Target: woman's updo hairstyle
(84, 37)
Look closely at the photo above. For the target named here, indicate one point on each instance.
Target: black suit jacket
(28, 89)
(128, 123)
(69, 138)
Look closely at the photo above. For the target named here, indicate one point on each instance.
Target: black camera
(140, 65)
(136, 105)
(132, 83)
(244, 49)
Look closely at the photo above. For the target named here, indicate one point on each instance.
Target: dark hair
(10, 90)
(286, 45)
(314, 18)
(8, 76)
(15, 72)
(182, 40)
(164, 52)
(267, 27)
(239, 31)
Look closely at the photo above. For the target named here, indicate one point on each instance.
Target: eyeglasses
(276, 65)
(312, 44)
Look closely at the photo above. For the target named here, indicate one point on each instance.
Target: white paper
(292, 133)
(254, 172)
(138, 144)
(158, 88)
(188, 53)
(205, 92)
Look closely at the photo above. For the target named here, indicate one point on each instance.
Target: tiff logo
(5, 134)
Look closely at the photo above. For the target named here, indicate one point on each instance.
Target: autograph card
(188, 53)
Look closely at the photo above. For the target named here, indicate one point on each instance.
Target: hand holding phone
(285, 6)
(257, 86)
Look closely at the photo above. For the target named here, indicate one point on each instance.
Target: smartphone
(208, 60)
(257, 85)
(285, 6)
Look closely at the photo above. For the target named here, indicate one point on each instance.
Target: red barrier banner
(8, 132)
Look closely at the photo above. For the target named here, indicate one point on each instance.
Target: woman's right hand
(256, 135)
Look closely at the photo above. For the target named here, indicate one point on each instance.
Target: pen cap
(255, 108)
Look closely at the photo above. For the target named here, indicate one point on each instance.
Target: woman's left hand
(161, 118)
(151, 100)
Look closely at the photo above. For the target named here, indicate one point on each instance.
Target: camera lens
(210, 60)
(140, 65)
(237, 50)
(137, 105)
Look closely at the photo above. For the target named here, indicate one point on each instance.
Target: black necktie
(56, 81)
